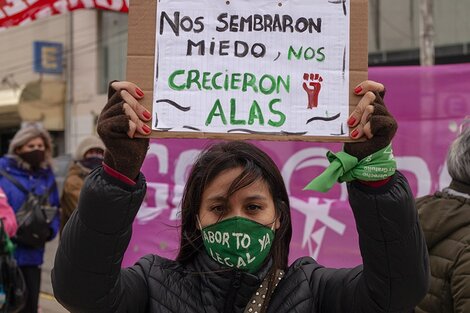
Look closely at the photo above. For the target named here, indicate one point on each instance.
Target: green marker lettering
(214, 81)
(282, 116)
(285, 83)
(272, 84)
(297, 54)
(235, 80)
(216, 111)
(171, 80)
(193, 77)
(206, 80)
(255, 113)
(249, 80)
(320, 55)
(233, 113)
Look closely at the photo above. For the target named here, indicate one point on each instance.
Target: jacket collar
(224, 283)
(15, 165)
(460, 187)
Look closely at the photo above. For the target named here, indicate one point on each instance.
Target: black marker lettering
(173, 24)
(224, 45)
(221, 18)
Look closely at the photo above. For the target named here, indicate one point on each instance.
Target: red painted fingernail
(351, 121)
(146, 114)
(354, 133)
(139, 92)
(146, 129)
(358, 89)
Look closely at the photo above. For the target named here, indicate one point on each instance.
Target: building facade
(94, 52)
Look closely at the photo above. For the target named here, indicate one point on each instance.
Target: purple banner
(428, 102)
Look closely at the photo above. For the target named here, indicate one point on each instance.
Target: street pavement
(47, 302)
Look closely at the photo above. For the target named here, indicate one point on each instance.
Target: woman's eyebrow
(256, 197)
(217, 198)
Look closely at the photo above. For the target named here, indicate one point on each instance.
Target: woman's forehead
(217, 189)
(35, 140)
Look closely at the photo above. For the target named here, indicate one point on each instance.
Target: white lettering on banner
(115, 5)
(161, 193)
(86, 3)
(44, 12)
(31, 2)
(418, 167)
(26, 21)
(316, 210)
(159, 153)
(2, 15)
(309, 157)
(14, 7)
(61, 6)
(444, 177)
(184, 162)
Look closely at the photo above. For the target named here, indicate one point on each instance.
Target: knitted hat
(90, 142)
(28, 132)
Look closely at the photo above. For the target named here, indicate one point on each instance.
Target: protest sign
(276, 70)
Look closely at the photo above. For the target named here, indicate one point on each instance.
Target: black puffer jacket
(87, 276)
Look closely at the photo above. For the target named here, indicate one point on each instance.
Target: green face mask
(238, 242)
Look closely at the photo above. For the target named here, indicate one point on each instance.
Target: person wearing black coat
(236, 231)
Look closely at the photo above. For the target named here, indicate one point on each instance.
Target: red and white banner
(19, 12)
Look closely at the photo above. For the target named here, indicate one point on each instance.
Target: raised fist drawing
(312, 85)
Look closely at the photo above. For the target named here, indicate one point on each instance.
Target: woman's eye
(253, 207)
(217, 209)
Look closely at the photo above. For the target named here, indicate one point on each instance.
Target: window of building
(112, 43)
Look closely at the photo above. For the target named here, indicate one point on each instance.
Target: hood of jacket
(444, 213)
(79, 170)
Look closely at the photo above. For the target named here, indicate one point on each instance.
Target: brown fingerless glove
(123, 154)
(383, 127)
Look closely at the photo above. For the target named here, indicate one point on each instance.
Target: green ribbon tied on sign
(345, 167)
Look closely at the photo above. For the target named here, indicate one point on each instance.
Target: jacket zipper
(236, 283)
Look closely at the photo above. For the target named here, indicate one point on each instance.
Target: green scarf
(345, 167)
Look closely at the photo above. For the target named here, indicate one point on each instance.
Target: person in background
(445, 219)
(28, 161)
(89, 155)
(7, 215)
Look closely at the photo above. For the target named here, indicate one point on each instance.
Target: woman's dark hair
(256, 165)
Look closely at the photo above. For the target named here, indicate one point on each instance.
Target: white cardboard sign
(244, 66)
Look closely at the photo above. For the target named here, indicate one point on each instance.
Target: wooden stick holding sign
(243, 69)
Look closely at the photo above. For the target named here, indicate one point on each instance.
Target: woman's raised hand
(120, 121)
(370, 120)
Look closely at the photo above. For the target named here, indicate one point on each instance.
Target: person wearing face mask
(88, 155)
(236, 228)
(28, 161)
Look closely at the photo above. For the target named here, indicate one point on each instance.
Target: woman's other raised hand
(122, 119)
(370, 120)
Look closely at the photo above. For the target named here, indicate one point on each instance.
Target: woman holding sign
(236, 228)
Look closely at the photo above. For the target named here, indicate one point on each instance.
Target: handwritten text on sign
(252, 67)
